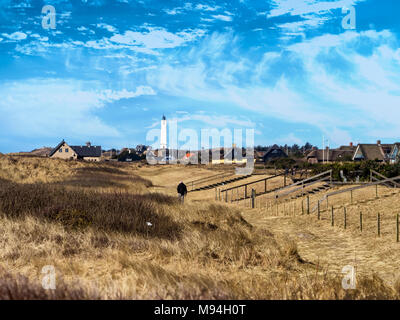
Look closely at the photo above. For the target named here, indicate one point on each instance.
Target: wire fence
(350, 209)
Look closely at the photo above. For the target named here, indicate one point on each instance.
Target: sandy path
(334, 247)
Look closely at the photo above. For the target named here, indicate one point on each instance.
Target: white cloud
(156, 38)
(302, 7)
(299, 26)
(110, 95)
(330, 100)
(106, 27)
(16, 36)
(55, 107)
(52, 108)
(222, 17)
(205, 7)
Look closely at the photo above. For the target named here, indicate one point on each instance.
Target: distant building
(343, 153)
(394, 156)
(141, 148)
(274, 153)
(232, 155)
(377, 152)
(163, 138)
(67, 152)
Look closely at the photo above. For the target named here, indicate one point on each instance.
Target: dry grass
(97, 238)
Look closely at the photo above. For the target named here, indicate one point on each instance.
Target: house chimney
(378, 142)
(88, 144)
(351, 144)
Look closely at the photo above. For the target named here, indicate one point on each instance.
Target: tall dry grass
(102, 247)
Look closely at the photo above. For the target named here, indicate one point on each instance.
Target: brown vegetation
(100, 242)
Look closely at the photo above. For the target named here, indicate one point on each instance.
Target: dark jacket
(182, 189)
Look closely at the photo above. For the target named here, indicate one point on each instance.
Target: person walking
(182, 191)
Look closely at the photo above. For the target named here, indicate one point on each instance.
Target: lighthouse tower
(163, 138)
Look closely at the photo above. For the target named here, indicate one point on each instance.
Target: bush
(361, 169)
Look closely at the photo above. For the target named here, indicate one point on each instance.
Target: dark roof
(81, 151)
(274, 149)
(56, 148)
(348, 148)
(372, 152)
(85, 151)
(330, 154)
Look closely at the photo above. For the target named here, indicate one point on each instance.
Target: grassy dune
(91, 221)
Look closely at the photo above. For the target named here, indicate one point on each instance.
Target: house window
(66, 149)
(60, 150)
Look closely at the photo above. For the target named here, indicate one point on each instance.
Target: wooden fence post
(319, 214)
(308, 204)
(345, 217)
(245, 191)
(253, 198)
(302, 206)
(332, 218)
(327, 203)
(226, 195)
(361, 221)
(216, 194)
(219, 194)
(379, 224)
(265, 185)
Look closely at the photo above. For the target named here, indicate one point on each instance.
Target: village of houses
(380, 152)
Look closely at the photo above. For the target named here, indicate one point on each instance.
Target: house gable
(274, 153)
(63, 151)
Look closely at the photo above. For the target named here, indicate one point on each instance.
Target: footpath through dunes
(330, 248)
(166, 178)
(333, 247)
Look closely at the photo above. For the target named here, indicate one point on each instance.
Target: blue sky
(286, 68)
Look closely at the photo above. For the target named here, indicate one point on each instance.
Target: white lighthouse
(163, 139)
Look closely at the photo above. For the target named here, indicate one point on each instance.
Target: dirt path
(333, 247)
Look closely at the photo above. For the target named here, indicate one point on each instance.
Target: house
(67, 152)
(377, 152)
(329, 155)
(394, 156)
(343, 153)
(141, 148)
(232, 155)
(274, 153)
(259, 155)
(128, 155)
